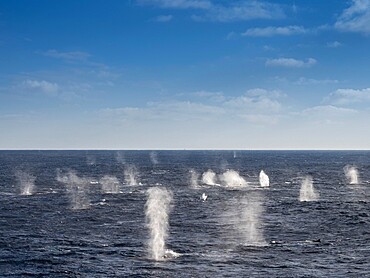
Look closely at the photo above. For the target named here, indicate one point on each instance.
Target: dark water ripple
(42, 236)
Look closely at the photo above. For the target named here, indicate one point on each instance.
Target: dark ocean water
(52, 233)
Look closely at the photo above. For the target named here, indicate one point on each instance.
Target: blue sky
(184, 74)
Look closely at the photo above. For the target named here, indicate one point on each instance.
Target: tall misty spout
(153, 157)
(109, 184)
(26, 182)
(307, 192)
(157, 211)
(251, 222)
(351, 174)
(243, 218)
(193, 178)
(131, 175)
(77, 189)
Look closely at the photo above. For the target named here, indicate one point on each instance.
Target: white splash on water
(110, 184)
(204, 197)
(130, 175)
(264, 179)
(209, 178)
(351, 174)
(77, 188)
(170, 254)
(232, 178)
(26, 182)
(307, 192)
(194, 176)
(157, 210)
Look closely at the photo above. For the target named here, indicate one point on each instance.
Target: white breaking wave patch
(264, 179)
(110, 184)
(307, 192)
(26, 182)
(232, 178)
(157, 212)
(351, 174)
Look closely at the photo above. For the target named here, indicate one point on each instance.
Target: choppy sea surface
(58, 220)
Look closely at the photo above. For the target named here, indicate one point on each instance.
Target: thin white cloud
(334, 44)
(261, 119)
(250, 104)
(327, 110)
(163, 18)
(257, 106)
(12, 116)
(212, 96)
(290, 63)
(356, 18)
(328, 115)
(312, 81)
(69, 56)
(232, 35)
(178, 4)
(166, 111)
(43, 86)
(242, 11)
(275, 31)
(126, 113)
(349, 96)
(256, 102)
(77, 57)
(305, 81)
(64, 89)
(258, 92)
(294, 8)
(227, 11)
(268, 48)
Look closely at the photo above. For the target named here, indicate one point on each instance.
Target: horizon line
(175, 149)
